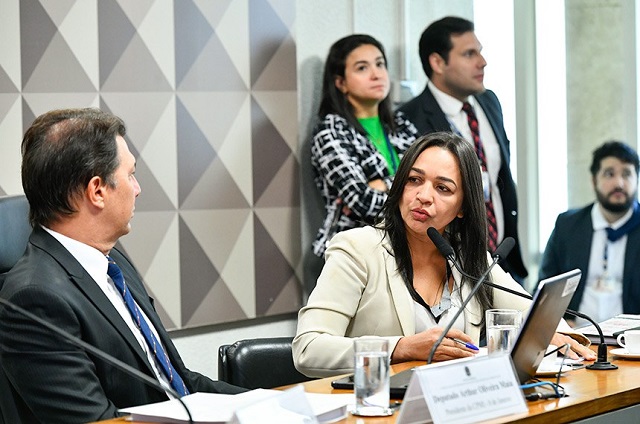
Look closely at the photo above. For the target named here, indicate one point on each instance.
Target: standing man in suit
(455, 99)
(79, 177)
(603, 238)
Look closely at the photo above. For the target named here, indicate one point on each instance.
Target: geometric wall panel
(273, 271)
(195, 154)
(6, 85)
(266, 140)
(208, 92)
(269, 33)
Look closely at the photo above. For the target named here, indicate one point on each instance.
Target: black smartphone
(398, 383)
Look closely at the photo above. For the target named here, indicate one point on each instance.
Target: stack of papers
(213, 408)
(550, 366)
(611, 328)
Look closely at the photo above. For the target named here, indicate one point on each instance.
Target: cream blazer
(360, 293)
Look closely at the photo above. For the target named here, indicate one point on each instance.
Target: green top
(379, 139)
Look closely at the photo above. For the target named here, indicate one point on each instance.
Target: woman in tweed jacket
(358, 143)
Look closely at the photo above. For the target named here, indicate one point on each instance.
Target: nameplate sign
(463, 391)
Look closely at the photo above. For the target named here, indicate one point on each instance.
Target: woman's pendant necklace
(445, 301)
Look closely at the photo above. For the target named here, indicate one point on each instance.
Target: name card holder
(463, 391)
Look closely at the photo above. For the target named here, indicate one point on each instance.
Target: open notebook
(549, 303)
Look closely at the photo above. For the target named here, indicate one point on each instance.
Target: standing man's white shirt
(452, 109)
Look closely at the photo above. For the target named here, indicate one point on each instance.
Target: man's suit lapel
(579, 245)
(583, 237)
(630, 299)
(494, 117)
(136, 287)
(433, 114)
(143, 302)
(88, 287)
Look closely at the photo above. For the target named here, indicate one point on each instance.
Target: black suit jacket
(425, 113)
(52, 380)
(569, 247)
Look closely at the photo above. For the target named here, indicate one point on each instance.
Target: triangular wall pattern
(207, 90)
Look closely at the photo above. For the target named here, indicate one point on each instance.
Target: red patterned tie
(491, 216)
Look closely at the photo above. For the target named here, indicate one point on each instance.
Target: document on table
(611, 328)
(213, 408)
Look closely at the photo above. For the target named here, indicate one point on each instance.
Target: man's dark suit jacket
(54, 381)
(569, 247)
(425, 113)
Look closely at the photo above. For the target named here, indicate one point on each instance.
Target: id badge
(486, 186)
(606, 298)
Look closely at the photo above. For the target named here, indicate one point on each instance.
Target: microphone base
(602, 366)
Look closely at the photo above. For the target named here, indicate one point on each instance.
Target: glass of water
(371, 377)
(503, 326)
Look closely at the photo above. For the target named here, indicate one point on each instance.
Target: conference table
(591, 393)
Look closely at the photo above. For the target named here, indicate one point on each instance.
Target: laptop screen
(549, 305)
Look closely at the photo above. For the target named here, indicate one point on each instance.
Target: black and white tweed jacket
(344, 161)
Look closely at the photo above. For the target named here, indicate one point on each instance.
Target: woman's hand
(345, 209)
(378, 184)
(418, 347)
(577, 349)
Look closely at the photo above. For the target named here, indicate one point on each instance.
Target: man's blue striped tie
(156, 347)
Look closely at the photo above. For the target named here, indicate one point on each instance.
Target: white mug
(630, 340)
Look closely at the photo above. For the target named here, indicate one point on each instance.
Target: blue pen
(463, 343)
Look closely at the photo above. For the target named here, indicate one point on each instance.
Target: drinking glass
(371, 377)
(503, 326)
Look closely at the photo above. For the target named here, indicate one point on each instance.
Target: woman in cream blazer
(363, 289)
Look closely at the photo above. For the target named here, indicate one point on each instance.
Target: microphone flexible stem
(446, 250)
(602, 362)
(602, 347)
(97, 352)
(569, 311)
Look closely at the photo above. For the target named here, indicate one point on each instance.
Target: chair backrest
(259, 363)
(14, 236)
(14, 230)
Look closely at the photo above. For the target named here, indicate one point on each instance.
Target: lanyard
(605, 258)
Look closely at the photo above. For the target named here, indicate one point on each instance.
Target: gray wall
(398, 26)
(601, 84)
(208, 91)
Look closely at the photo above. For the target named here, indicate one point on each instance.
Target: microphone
(501, 252)
(602, 363)
(97, 352)
(442, 245)
(446, 250)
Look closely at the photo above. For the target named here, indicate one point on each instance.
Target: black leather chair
(14, 230)
(14, 236)
(259, 363)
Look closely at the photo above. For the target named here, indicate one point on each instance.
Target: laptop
(549, 304)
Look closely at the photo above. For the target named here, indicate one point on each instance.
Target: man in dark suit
(78, 175)
(451, 57)
(603, 238)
